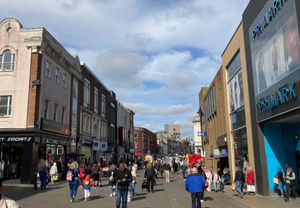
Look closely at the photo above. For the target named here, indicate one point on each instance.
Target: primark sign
(282, 96)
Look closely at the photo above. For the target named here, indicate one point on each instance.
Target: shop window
(5, 105)
(240, 146)
(7, 61)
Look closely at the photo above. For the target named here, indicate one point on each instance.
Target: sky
(155, 54)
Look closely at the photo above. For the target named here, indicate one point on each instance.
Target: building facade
(238, 117)
(211, 100)
(197, 135)
(271, 37)
(172, 130)
(37, 75)
(145, 142)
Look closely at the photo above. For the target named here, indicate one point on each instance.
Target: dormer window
(7, 61)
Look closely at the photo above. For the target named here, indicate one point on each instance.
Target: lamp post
(200, 112)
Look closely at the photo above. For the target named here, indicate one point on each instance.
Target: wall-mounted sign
(202, 133)
(54, 127)
(224, 152)
(216, 152)
(268, 16)
(281, 96)
(16, 139)
(103, 146)
(96, 145)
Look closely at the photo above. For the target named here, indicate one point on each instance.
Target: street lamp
(200, 112)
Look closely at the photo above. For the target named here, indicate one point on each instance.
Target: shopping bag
(144, 185)
(250, 188)
(56, 178)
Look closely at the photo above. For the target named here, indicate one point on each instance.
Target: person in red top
(250, 181)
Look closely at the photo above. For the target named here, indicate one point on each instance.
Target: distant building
(144, 142)
(197, 135)
(172, 130)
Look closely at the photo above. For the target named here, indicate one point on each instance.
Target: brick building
(144, 142)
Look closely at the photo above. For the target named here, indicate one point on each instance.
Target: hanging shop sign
(96, 145)
(267, 18)
(216, 152)
(16, 139)
(281, 96)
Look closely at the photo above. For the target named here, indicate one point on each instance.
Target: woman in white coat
(53, 172)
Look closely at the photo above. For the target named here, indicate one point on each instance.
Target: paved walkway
(166, 195)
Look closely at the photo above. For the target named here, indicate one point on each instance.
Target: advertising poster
(236, 93)
(276, 51)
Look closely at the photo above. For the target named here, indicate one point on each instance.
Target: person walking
(290, 183)
(280, 179)
(183, 168)
(42, 170)
(132, 183)
(239, 180)
(167, 168)
(250, 181)
(208, 179)
(87, 183)
(95, 173)
(72, 178)
(123, 178)
(195, 185)
(216, 180)
(161, 169)
(150, 177)
(111, 180)
(53, 173)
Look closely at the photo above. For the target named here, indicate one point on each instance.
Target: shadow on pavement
(158, 190)
(20, 192)
(140, 194)
(208, 198)
(138, 198)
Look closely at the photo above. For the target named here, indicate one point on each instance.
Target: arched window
(7, 61)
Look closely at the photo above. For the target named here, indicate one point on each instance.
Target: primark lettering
(15, 139)
(268, 17)
(280, 97)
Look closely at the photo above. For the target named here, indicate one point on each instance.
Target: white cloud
(143, 109)
(131, 42)
(120, 68)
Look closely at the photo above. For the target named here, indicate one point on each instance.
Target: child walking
(87, 183)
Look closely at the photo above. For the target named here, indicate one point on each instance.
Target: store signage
(280, 97)
(267, 18)
(16, 139)
(96, 145)
(55, 141)
(54, 127)
(216, 152)
(202, 133)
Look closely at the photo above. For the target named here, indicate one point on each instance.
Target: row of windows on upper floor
(59, 77)
(55, 112)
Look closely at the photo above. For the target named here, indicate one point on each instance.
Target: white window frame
(8, 105)
(12, 62)
(103, 107)
(64, 79)
(55, 112)
(86, 92)
(63, 112)
(56, 75)
(48, 69)
(96, 100)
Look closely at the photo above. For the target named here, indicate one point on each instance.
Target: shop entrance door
(298, 169)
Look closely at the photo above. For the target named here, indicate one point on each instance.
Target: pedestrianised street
(166, 195)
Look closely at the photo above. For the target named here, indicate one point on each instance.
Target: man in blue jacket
(195, 184)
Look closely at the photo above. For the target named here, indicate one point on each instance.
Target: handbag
(206, 183)
(144, 185)
(275, 180)
(250, 188)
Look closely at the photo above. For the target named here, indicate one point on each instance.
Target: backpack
(69, 175)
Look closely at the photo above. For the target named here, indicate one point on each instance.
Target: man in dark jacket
(239, 180)
(150, 177)
(123, 179)
(195, 185)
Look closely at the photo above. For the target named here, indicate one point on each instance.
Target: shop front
(274, 71)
